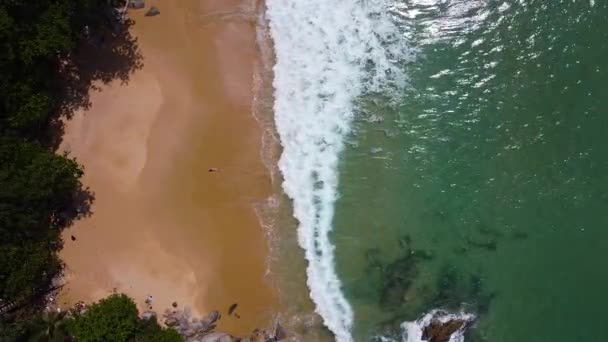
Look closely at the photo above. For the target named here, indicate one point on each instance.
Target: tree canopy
(115, 319)
(37, 186)
(46, 73)
(51, 54)
(111, 319)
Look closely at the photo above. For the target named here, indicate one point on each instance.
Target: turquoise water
(485, 188)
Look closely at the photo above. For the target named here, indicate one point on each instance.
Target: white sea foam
(412, 331)
(328, 53)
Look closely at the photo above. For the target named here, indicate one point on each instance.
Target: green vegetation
(51, 53)
(112, 319)
(36, 193)
(115, 319)
(48, 327)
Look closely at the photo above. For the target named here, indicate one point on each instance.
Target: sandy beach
(161, 223)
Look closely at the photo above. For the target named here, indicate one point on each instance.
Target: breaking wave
(328, 53)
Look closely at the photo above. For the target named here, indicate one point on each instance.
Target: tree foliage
(115, 319)
(37, 187)
(43, 78)
(48, 327)
(111, 319)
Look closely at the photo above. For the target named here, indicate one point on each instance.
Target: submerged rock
(375, 150)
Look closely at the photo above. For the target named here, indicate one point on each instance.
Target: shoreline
(162, 225)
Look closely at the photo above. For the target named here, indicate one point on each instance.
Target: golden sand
(162, 224)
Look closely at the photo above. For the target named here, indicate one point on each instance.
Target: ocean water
(446, 154)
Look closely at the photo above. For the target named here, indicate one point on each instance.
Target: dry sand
(162, 225)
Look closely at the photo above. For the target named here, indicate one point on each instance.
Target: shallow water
(485, 188)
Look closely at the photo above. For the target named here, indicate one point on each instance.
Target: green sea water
(485, 188)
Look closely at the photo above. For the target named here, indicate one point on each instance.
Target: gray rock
(152, 12)
(208, 322)
(171, 321)
(137, 4)
(186, 313)
(279, 333)
(212, 317)
(259, 336)
(217, 337)
(197, 326)
(205, 327)
(148, 315)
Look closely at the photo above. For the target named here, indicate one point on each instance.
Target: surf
(328, 54)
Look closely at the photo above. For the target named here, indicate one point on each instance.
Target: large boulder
(438, 331)
(207, 323)
(212, 317)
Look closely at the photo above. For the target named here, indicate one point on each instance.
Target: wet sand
(162, 224)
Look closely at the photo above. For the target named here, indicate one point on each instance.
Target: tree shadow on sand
(108, 53)
(80, 207)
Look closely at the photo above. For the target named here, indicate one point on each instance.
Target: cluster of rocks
(191, 328)
(194, 329)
